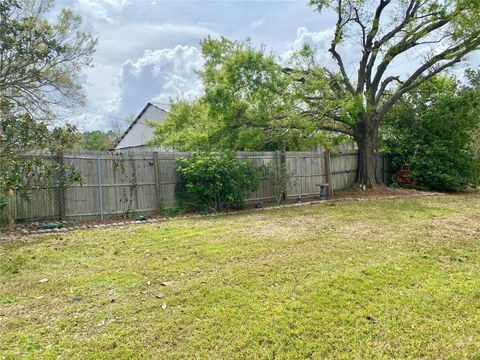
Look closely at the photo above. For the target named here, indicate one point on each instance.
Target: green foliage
(23, 141)
(430, 133)
(187, 127)
(211, 182)
(251, 103)
(280, 177)
(42, 59)
(3, 202)
(474, 145)
(98, 140)
(172, 211)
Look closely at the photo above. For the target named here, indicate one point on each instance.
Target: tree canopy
(96, 140)
(40, 77)
(41, 60)
(443, 32)
(23, 144)
(431, 131)
(252, 101)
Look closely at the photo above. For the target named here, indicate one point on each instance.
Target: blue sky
(148, 49)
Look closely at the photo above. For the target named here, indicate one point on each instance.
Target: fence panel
(43, 202)
(308, 170)
(344, 169)
(265, 189)
(82, 200)
(116, 184)
(167, 176)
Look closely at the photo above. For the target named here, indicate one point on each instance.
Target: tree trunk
(366, 136)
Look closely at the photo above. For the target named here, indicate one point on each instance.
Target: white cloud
(100, 10)
(321, 42)
(257, 23)
(158, 76)
(127, 75)
(131, 40)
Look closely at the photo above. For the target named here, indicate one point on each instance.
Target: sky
(148, 50)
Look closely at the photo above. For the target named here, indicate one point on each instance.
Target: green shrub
(429, 132)
(211, 182)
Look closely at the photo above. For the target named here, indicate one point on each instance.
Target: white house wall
(141, 132)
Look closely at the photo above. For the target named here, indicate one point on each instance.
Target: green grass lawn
(377, 279)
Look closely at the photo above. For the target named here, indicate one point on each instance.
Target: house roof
(134, 122)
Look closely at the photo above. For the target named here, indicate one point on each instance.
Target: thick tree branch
(333, 48)
(406, 43)
(409, 14)
(367, 49)
(452, 56)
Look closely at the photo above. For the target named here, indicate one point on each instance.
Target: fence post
(100, 189)
(60, 187)
(11, 208)
(158, 189)
(328, 171)
(134, 179)
(283, 168)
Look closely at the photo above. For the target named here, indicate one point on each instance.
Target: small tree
(40, 75)
(280, 177)
(211, 182)
(98, 140)
(251, 103)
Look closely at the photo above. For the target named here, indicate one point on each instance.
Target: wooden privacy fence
(117, 184)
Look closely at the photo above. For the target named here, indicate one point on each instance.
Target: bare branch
(336, 39)
(452, 56)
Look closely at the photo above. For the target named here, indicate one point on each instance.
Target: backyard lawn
(367, 279)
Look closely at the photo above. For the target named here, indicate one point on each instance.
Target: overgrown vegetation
(250, 104)
(23, 144)
(96, 140)
(211, 182)
(320, 282)
(256, 101)
(432, 133)
(41, 61)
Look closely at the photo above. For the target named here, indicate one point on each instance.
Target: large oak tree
(251, 102)
(442, 31)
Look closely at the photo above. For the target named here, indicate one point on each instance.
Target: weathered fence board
(308, 171)
(117, 184)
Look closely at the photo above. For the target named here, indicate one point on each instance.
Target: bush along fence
(120, 184)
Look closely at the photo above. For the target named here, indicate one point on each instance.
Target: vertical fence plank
(328, 171)
(60, 189)
(100, 187)
(158, 179)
